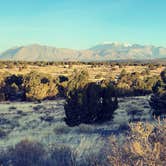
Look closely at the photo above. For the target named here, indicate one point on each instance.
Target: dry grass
(61, 129)
(105, 71)
(145, 145)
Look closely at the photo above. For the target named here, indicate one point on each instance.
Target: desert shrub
(39, 86)
(123, 73)
(63, 89)
(98, 76)
(30, 153)
(2, 65)
(10, 65)
(24, 66)
(2, 96)
(78, 80)
(131, 84)
(13, 88)
(147, 71)
(32, 86)
(158, 99)
(120, 65)
(163, 76)
(62, 85)
(91, 104)
(62, 155)
(152, 67)
(150, 82)
(2, 84)
(63, 78)
(25, 153)
(145, 145)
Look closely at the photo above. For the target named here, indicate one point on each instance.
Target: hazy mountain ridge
(105, 51)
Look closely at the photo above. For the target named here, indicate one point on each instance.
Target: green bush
(32, 86)
(39, 86)
(131, 84)
(158, 99)
(78, 80)
(91, 104)
(13, 88)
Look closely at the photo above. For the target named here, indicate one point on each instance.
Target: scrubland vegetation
(92, 93)
(28, 81)
(158, 99)
(144, 145)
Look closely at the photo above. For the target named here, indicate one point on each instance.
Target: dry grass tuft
(145, 145)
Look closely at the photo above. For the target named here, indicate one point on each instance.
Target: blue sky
(81, 24)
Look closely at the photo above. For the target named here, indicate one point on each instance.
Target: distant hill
(101, 52)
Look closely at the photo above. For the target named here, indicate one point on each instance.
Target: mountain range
(100, 52)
